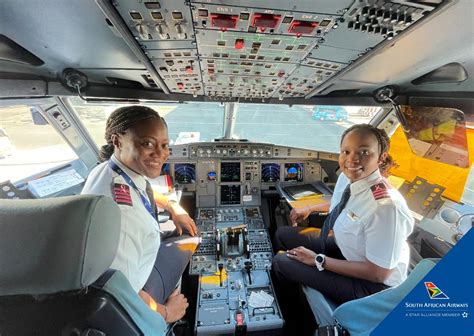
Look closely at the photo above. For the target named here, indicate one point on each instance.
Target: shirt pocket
(350, 225)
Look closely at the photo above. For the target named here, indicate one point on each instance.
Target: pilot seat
(54, 276)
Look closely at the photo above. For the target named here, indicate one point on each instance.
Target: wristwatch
(320, 259)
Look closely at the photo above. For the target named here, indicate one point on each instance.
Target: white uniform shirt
(140, 234)
(374, 225)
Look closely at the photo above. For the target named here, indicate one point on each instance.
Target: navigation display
(230, 194)
(185, 173)
(294, 172)
(230, 171)
(270, 172)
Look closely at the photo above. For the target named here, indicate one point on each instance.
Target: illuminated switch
(264, 21)
(180, 86)
(189, 69)
(302, 27)
(239, 44)
(224, 21)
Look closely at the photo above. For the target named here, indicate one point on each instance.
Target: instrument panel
(235, 174)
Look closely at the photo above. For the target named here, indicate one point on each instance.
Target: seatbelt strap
(103, 279)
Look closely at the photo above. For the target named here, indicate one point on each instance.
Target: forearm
(323, 207)
(357, 269)
(150, 302)
(174, 208)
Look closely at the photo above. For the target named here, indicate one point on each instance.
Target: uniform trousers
(288, 272)
(173, 257)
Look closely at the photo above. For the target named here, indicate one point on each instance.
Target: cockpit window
(28, 144)
(187, 122)
(315, 127)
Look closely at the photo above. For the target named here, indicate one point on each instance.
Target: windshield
(311, 127)
(28, 147)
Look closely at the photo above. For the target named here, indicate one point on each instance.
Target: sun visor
(451, 177)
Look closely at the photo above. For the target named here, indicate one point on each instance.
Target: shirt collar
(365, 183)
(139, 180)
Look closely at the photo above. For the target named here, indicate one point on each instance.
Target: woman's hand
(185, 223)
(299, 215)
(181, 219)
(303, 255)
(175, 307)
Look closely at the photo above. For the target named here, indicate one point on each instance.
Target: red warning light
(302, 27)
(224, 21)
(189, 69)
(264, 21)
(180, 86)
(239, 44)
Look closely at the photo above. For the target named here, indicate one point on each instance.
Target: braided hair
(121, 120)
(383, 141)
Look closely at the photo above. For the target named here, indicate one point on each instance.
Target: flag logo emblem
(434, 292)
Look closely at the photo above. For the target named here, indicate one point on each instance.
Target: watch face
(319, 259)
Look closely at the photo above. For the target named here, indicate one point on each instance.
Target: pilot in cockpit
(151, 259)
(370, 220)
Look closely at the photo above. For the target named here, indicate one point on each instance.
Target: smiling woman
(371, 222)
(136, 148)
(138, 137)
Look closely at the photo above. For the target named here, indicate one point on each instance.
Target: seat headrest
(58, 244)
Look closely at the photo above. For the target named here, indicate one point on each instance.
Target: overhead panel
(261, 49)
(164, 30)
(307, 77)
(303, 6)
(250, 51)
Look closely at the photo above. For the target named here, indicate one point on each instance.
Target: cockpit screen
(270, 172)
(185, 173)
(294, 172)
(230, 194)
(230, 171)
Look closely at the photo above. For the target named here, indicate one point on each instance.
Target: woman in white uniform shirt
(136, 149)
(368, 251)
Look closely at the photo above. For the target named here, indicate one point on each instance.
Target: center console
(233, 261)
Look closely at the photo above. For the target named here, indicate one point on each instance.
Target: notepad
(54, 183)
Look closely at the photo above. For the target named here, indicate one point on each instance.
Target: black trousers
(173, 257)
(288, 272)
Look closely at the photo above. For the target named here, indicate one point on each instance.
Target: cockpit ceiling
(218, 49)
(250, 49)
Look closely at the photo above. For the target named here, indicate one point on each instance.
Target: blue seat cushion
(360, 317)
(148, 321)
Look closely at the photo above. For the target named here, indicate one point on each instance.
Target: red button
(239, 319)
(239, 44)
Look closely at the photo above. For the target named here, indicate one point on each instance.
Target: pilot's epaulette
(122, 194)
(380, 190)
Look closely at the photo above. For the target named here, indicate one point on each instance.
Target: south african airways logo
(434, 292)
